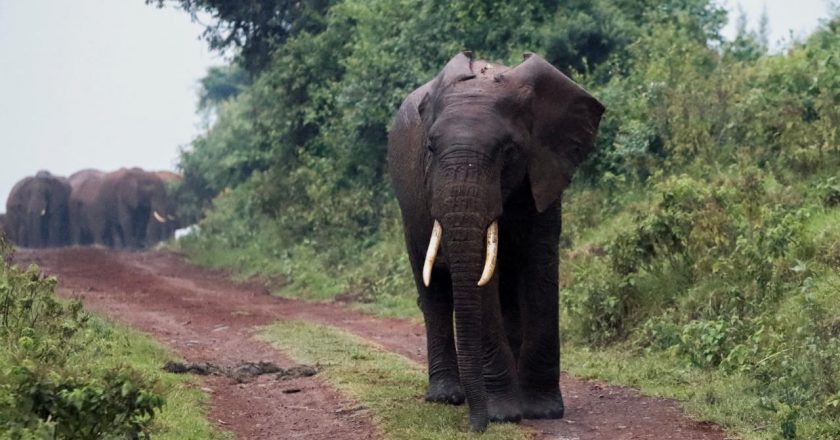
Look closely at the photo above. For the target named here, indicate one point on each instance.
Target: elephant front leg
(500, 375)
(437, 306)
(539, 356)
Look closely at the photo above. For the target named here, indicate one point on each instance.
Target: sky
(787, 18)
(95, 84)
(111, 83)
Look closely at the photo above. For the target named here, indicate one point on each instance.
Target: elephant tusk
(159, 217)
(431, 253)
(492, 252)
(43, 212)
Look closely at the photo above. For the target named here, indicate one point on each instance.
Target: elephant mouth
(491, 252)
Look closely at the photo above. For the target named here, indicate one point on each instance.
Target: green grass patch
(734, 401)
(390, 385)
(183, 416)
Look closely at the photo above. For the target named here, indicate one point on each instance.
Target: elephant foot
(542, 405)
(504, 409)
(445, 390)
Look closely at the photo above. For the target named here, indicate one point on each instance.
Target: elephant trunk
(466, 201)
(465, 250)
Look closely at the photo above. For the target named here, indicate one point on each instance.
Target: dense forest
(700, 246)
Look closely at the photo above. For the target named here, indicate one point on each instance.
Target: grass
(703, 395)
(730, 400)
(184, 414)
(391, 386)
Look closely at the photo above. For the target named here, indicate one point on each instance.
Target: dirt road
(204, 317)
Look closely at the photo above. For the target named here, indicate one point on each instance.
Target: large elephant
(88, 219)
(479, 158)
(36, 211)
(137, 206)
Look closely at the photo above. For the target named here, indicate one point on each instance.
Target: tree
(253, 28)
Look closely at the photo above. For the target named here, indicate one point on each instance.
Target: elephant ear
(459, 68)
(563, 123)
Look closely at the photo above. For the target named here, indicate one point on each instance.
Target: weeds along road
(204, 317)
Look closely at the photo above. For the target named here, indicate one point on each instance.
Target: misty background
(106, 84)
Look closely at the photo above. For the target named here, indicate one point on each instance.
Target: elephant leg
(499, 367)
(437, 306)
(509, 267)
(539, 356)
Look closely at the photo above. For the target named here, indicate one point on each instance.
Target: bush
(43, 392)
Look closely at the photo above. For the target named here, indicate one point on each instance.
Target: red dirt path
(203, 316)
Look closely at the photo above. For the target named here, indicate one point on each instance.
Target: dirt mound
(241, 372)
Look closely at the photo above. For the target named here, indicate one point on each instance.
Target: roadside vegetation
(65, 374)
(701, 241)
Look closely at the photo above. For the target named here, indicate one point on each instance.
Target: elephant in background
(88, 220)
(137, 208)
(173, 222)
(37, 211)
(479, 158)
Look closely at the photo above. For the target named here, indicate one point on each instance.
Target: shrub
(44, 393)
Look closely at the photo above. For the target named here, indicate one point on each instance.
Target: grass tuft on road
(391, 386)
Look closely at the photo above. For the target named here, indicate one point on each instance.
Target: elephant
(479, 158)
(136, 207)
(173, 222)
(36, 211)
(88, 221)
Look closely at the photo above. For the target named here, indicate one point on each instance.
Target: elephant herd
(127, 208)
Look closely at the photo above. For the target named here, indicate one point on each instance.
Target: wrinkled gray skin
(481, 143)
(36, 211)
(130, 198)
(88, 221)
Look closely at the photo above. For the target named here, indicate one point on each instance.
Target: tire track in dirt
(204, 316)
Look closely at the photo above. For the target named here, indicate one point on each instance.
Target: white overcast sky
(111, 83)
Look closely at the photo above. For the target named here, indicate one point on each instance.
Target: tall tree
(253, 28)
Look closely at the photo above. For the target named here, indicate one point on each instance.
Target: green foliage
(43, 393)
(220, 84)
(255, 28)
(701, 237)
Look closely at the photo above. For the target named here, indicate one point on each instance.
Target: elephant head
(490, 130)
(37, 211)
(139, 207)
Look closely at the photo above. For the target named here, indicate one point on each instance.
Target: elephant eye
(430, 146)
(509, 148)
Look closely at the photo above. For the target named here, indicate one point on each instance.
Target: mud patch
(242, 372)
